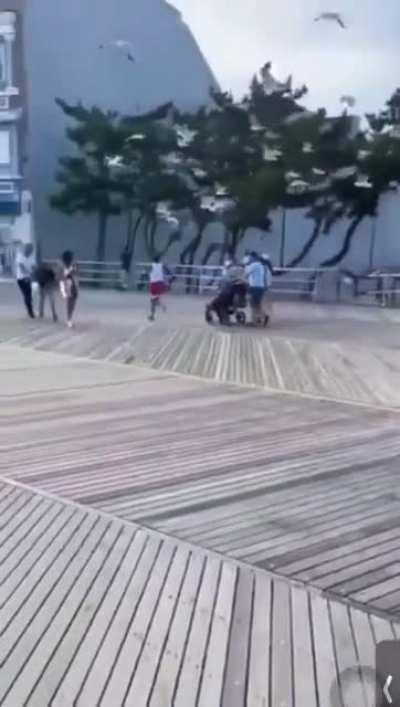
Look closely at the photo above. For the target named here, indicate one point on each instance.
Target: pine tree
(86, 181)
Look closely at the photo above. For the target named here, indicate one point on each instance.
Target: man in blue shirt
(256, 278)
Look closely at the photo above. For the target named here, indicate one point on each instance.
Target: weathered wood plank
(260, 646)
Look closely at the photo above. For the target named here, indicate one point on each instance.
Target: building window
(5, 148)
(7, 37)
(3, 65)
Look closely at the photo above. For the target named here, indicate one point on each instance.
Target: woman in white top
(158, 287)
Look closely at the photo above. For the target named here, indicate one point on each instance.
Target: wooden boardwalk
(306, 488)
(97, 611)
(344, 371)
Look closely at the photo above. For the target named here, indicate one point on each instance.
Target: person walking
(69, 285)
(158, 287)
(45, 277)
(24, 267)
(126, 261)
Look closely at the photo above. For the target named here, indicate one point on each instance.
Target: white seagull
(331, 17)
(363, 183)
(298, 186)
(345, 172)
(114, 161)
(271, 85)
(137, 137)
(122, 45)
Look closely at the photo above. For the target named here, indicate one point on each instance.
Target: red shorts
(157, 288)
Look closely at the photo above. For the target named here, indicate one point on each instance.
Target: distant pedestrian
(126, 261)
(158, 286)
(46, 278)
(256, 278)
(69, 284)
(24, 268)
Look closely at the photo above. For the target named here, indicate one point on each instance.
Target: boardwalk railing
(206, 279)
(106, 274)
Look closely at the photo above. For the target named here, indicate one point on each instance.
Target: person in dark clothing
(46, 278)
(126, 261)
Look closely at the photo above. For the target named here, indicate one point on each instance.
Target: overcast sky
(238, 36)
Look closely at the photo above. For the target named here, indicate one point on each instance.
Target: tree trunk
(212, 248)
(307, 246)
(237, 236)
(336, 259)
(131, 234)
(189, 253)
(153, 231)
(101, 237)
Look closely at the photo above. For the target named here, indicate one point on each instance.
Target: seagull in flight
(331, 17)
(137, 137)
(271, 85)
(114, 161)
(122, 45)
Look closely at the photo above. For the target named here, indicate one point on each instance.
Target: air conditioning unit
(6, 187)
(4, 102)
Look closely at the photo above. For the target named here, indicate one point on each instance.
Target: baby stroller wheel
(241, 318)
(208, 316)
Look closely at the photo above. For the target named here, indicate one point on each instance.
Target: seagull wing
(340, 22)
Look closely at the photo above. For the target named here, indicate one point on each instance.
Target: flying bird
(298, 186)
(318, 172)
(114, 161)
(122, 45)
(137, 137)
(363, 182)
(271, 85)
(345, 172)
(331, 17)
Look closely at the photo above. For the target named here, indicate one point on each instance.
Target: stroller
(230, 302)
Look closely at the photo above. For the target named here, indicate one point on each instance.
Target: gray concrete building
(51, 49)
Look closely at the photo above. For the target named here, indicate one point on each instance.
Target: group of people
(250, 278)
(50, 279)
